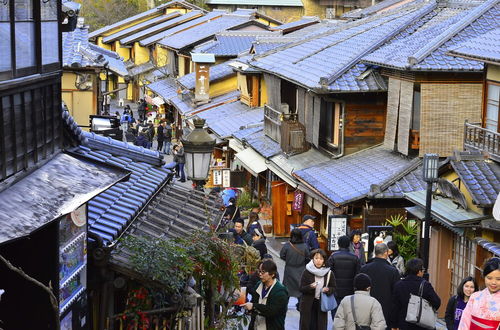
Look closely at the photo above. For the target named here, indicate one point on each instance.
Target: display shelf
(71, 300)
(73, 275)
(73, 242)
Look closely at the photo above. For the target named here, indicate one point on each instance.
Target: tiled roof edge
(451, 31)
(415, 163)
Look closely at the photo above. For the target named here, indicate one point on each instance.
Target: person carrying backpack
(307, 229)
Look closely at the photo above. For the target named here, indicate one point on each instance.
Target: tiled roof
(140, 27)
(217, 72)
(408, 180)
(76, 50)
(489, 246)
(231, 43)
(440, 30)
(111, 211)
(261, 47)
(273, 3)
(309, 62)
(141, 16)
(173, 213)
(203, 32)
(256, 138)
(184, 103)
(301, 23)
(235, 116)
(143, 68)
(482, 48)
(157, 32)
(349, 178)
(166, 88)
(115, 61)
(359, 13)
(481, 179)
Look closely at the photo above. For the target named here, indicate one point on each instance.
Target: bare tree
(100, 13)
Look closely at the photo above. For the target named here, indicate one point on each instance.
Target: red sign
(298, 200)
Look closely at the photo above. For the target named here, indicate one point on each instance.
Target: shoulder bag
(328, 302)
(420, 311)
(358, 327)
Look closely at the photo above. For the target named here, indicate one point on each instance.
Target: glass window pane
(24, 10)
(492, 105)
(5, 59)
(48, 10)
(25, 45)
(50, 42)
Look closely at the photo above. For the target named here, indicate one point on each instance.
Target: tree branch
(53, 299)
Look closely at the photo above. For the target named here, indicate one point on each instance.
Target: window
(25, 36)
(50, 32)
(5, 42)
(492, 102)
(464, 254)
(330, 125)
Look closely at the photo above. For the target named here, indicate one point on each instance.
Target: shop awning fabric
(55, 189)
(252, 161)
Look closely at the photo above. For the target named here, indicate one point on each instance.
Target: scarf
(357, 247)
(319, 276)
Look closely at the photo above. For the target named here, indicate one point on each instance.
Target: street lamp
(430, 175)
(198, 148)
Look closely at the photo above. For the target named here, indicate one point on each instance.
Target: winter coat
(449, 315)
(167, 133)
(345, 266)
(159, 132)
(260, 245)
(242, 237)
(399, 263)
(295, 264)
(368, 313)
(401, 297)
(309, 236)
(306, 302)
(362, 255)
(181, 158)
(274, 310)
(384, 276)
(141, 141)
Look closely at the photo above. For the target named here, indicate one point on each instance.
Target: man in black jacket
(411, 284)
(384, 276)
(345, 265)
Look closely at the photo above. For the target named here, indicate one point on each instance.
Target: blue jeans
(181, 171)
(166, 147)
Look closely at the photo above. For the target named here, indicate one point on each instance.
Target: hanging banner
(298, 200)
(217, 175)
(337, 226)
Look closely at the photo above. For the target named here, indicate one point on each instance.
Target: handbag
(328, 302)
(358, 327)
(420, 312)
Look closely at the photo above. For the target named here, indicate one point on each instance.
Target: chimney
(202, 63)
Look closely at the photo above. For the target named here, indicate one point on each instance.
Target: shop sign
(217, 175)
(226, 178)
(298, 200)
(337, 226)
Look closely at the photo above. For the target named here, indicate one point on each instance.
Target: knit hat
(362, 282)
(344, 242)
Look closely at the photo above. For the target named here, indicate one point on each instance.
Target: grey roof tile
(274, 3)
(184, 104)
(408, 180)
(349, 178)
(230, 44)
(217, 72)
(200, 33)
(296, 25)
(382, 5)
(485, 47)
(256, 138)
(235, 116)
(115, 62)
(76, 50)
(166, 88)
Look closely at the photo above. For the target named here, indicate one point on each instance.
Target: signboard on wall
(217, 175)
(298, 200)
(226, 178)
(337, 226)
(202, 81)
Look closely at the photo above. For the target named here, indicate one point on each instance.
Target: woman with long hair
(316, 279)
(483, 309)
(457, 303)
(395, 258)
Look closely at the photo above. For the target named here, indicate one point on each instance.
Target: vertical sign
(337, 226)
(202, 82)
(217, 175)
(226, 178)
(298, 200)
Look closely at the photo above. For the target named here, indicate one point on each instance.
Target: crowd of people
(355, 292)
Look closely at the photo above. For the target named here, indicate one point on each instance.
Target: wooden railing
(482, 139)
(272, 123)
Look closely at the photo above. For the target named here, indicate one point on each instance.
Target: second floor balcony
(482, 139)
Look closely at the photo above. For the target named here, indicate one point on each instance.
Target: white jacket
(368, 313)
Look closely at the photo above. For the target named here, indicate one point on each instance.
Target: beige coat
(368, 313)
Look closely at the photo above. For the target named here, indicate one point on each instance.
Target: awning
(489, 245)
(419, 212)
(55, 189)
(252, 161)
(158, 101)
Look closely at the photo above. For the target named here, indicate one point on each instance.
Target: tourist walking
(181, 160)
(259, 242)
(483, 309)
(160, 136)
(269, 302)
(241, 237)
(457, 303)
(308, 233)
(345, 265)
(316, 279)
(357, 247)
(359, 309)
(167, 138)
(411, 285)
(395, 258)
(296, 256)
(253, 223)
(383, 276)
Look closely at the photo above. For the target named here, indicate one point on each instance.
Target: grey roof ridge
(105, 51)
(414, 164)
(451, 31)
(237, 33)
(421, 13)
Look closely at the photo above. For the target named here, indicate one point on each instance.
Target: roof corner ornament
(412, 60)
